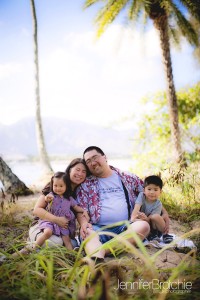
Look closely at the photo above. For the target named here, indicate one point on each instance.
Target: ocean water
(30, 172)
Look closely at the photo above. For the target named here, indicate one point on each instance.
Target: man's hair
(90, 148)
(153, 179)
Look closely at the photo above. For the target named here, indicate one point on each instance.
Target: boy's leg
(47, 233)
(67, 242)
(157, 222)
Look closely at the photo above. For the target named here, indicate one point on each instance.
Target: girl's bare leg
(39, 242)
(67, 242)
(47, 233)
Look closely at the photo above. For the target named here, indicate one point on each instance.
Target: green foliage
(181, 195)
(58, 273)
(153, 138)
(178, 13)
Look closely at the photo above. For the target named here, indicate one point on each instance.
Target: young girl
(60, 204)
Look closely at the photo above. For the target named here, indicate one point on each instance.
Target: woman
(77, 172)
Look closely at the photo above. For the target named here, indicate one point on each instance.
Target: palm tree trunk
(39, 131)
(11, 182)
(161, 24)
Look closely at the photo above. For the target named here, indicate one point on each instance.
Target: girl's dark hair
(65, 178)
(72, 164)
(153, 179)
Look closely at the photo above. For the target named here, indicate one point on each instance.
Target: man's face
(96, 162)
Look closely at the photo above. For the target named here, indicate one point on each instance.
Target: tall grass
(57, 273)
(182, 192)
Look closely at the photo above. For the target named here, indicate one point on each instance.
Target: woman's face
(77, 174)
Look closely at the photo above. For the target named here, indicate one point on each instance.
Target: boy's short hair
(153, 179)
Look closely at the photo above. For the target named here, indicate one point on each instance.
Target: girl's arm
(40, 211)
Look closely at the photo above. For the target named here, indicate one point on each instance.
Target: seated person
(148, 208)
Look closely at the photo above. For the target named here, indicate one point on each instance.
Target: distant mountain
(63, 137)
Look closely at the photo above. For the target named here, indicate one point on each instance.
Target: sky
(83, 78)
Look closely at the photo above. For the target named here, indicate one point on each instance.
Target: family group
(96, 195)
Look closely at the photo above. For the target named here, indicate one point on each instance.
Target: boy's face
(152, 192)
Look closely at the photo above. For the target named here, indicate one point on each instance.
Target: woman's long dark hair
(72, 164)
(65, 178)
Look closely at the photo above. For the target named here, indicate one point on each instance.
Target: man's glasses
(93, 158)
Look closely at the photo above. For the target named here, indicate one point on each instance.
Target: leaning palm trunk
(39, 131)
(161, 24)
(12, 184)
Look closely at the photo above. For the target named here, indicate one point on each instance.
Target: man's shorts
(105, 238)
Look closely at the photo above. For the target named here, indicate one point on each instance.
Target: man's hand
(49, 198)
(83, 229)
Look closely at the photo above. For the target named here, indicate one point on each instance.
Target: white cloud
(97, 80)
(8, 69)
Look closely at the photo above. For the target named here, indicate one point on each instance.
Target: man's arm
(135, 212)
(82, 199)
(84, 225)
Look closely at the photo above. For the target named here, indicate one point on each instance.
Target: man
(109, 196)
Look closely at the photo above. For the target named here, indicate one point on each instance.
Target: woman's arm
(40, 211)
(83, 212)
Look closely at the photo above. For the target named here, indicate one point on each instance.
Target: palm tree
(167, 17)
(12, 184)
(39, 131)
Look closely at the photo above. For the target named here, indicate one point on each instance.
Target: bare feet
(24, 251)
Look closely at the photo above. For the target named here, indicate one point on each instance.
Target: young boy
(148, 207)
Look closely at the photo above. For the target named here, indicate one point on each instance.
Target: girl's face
(77, 174)
(59, 187)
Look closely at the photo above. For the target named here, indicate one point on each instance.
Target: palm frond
(134, 10)
(193, 7)
(174, 35)
(108, 14)
(88, 3)
(184, 25)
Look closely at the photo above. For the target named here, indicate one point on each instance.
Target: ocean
(29, 172)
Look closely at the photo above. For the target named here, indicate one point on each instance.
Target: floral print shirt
(88, 193)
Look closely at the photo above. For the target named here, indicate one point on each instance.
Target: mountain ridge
(63, 137)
